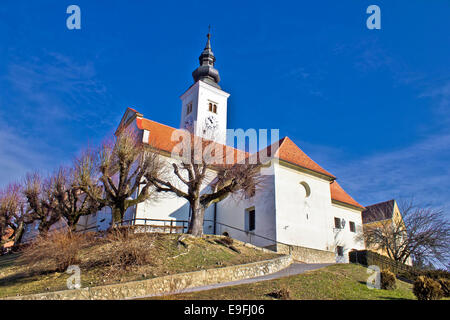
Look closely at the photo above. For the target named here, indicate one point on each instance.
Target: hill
(136, 257)
(335, 282)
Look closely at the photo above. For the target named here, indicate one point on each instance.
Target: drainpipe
(215, 217)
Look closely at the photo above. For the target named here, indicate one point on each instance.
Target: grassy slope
(340, 282)
(204, 253)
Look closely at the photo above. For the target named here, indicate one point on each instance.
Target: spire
(206, 71)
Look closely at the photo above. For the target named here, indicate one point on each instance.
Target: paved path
(294, 269)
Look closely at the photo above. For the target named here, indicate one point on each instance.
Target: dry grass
(123, 256)
(55, 253)
(130, 250)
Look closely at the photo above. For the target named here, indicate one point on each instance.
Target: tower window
(189, 108)
(212, 107)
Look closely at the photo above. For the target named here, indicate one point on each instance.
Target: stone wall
(168, 284)
(307, 255)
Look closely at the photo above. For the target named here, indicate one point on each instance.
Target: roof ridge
(378, 203)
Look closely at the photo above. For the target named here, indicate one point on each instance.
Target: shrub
(445, 286)
(55, 252)
(227, 240)
(427, 289)
(129, 249)
(282, 294)
(388, 280)
(432, 274)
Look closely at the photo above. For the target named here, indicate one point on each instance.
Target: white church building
(301, 209)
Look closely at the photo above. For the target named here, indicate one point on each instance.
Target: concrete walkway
(294, 269)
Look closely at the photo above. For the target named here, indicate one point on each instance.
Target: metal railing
(181, 226)
(175, 226)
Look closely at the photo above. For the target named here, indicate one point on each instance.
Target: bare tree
(41, 202)
(70, 201)
(422, 234)
(13, 213)
(202, 178)
(118, 168)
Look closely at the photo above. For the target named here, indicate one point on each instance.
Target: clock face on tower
(211, 123)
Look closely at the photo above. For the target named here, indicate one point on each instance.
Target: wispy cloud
(43, 101)
(420, 170)
(54, 87)
(441, 94)
(19, 155)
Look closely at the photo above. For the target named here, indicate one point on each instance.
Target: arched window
(306, 189)
(305, 192)
(210, 107)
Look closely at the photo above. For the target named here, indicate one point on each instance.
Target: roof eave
(345, 204)
(313, 172)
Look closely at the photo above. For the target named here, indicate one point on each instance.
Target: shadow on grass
(394, 298)
(8, 260)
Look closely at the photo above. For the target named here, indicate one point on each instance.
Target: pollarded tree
(118, 168)
(13, 213)
(41, 202)
(70, 201)
(422, 233)
(206, 175)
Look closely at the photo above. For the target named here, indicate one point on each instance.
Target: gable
(129, 115)
(378, 212)
(286, 150)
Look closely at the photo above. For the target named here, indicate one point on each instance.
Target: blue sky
(370, 106)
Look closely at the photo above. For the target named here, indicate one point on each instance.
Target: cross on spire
(206, 70)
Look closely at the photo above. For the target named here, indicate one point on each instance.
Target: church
(301, 210)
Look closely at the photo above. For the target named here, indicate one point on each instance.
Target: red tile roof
(339, 194)
(160, 138)
(290, 152)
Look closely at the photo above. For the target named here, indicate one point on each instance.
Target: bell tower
(204, 104)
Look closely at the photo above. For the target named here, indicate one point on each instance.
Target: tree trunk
(196, 223)
(117, 215)
(19, 233)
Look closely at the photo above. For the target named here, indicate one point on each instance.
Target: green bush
(445, 286)
(388, 280)
(427, 289)
(413, 274)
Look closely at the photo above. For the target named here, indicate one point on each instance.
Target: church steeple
(204, 104)
(206, 71)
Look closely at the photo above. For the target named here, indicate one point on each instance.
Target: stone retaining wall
(167, 284)
(307, 255)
